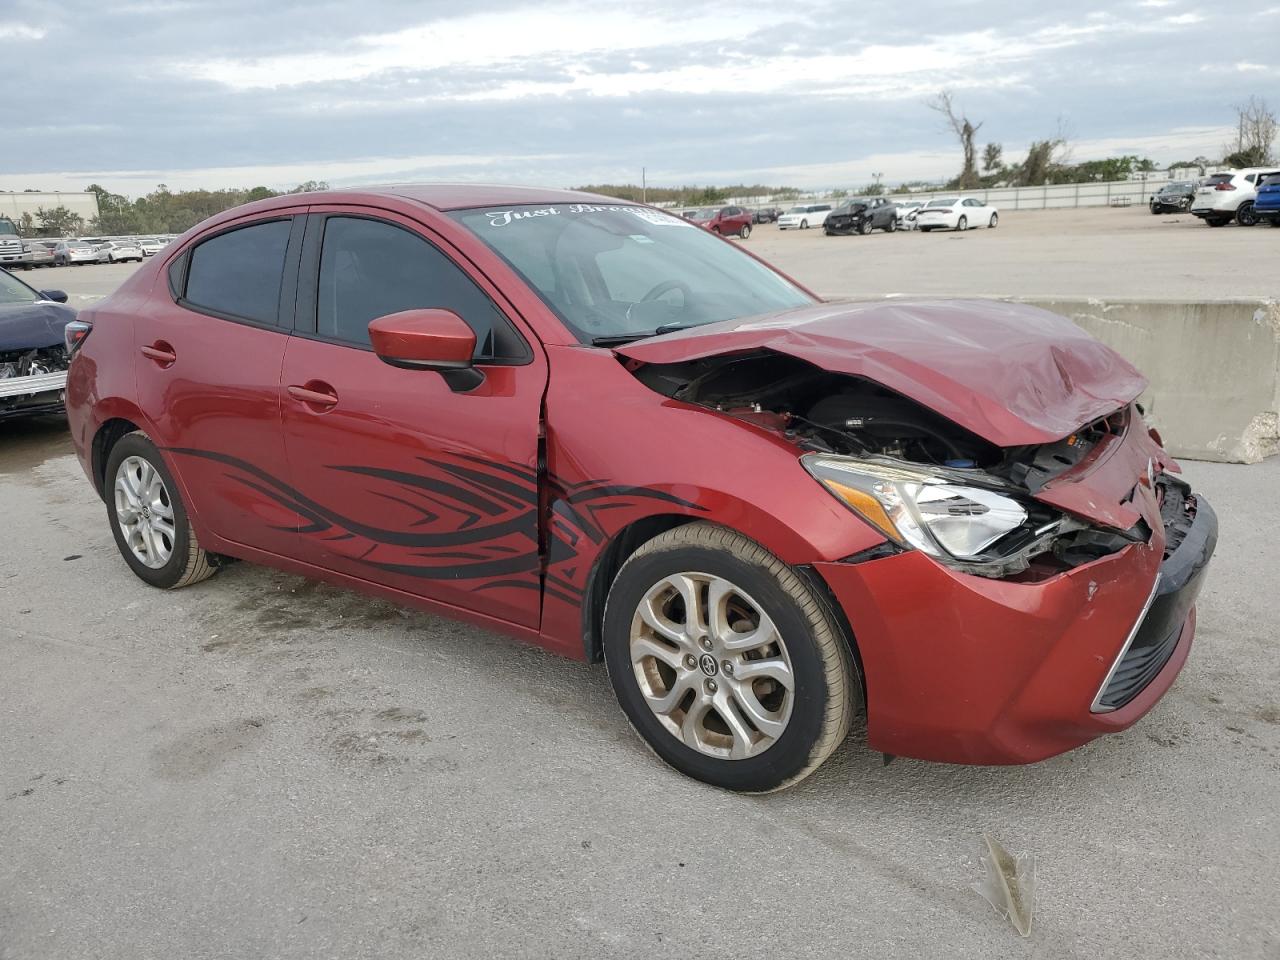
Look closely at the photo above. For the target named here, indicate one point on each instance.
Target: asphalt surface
(260, 766)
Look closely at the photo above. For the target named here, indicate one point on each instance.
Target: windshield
(1175, 187)
(13, 290)
(7, 229)
(944, 202)
(625, 271)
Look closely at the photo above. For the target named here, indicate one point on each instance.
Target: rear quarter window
(238, 273)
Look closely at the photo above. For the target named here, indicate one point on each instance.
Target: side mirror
(57, 296)
(437, 340)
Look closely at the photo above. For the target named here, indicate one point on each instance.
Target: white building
(14, 205)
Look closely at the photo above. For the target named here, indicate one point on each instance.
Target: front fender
(619, 453)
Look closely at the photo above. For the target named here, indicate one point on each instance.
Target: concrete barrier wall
(1214, 369)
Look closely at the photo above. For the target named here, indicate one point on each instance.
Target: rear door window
(238, 274)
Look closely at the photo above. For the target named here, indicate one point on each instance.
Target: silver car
(74, 253)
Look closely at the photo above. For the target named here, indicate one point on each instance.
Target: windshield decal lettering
(501, 218)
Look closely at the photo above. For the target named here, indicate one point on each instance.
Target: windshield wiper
(618, 339)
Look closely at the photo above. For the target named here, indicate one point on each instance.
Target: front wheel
(744, 232)
(865, 227)
(993, 222)
(726, 662)
(962, 223)
(1245, 215)
(804, 224)
(148, 518)
(892, 225)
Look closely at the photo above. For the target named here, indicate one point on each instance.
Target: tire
(865, 228)
(186, 562)
(891, 226)
(962, 223)
(804, 224)
(744, 232)
(1216, 221)
(1274, 221)
(994, 221)
(924, 229)
(716, 231)
(1245, 215)
(810, 649)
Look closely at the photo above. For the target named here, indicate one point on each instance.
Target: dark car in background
(1173, 197)
(768, 214)
(862, 215)
(1267, 206)
(726, 221)
(33, 354)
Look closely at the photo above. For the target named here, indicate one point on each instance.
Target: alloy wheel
(144, 512)
(711, 665)
(1245, 215)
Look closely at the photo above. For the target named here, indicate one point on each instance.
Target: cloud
(21, 31)
(813, 92)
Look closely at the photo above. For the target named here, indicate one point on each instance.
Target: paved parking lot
(1094, 251)
(260, 766)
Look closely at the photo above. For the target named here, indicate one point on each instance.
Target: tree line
(1048, 161)
(159, 212)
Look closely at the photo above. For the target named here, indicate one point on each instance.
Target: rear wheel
(892, 225)
(149, 520)
(744, 232)
(726, 662)
(1245, 215)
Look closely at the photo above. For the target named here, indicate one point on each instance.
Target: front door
(405, 481)
(208, 377)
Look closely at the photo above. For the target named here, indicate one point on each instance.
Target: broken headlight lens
(918, 508)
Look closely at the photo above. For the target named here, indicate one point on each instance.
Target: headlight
(929, 511)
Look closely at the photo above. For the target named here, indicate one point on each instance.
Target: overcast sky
(131, 93)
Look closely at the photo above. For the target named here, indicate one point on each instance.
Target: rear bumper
(964, 669)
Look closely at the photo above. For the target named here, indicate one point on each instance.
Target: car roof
(458, 196)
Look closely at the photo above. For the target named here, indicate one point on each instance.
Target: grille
(1141, 663)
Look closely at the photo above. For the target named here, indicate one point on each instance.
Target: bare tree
(965, 131)
(992, 155)
(1255, 135)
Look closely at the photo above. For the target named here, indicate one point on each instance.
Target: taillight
(74, 335)
(1226, 185)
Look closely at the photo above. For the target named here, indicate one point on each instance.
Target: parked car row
(42, 252)
(1245, 196)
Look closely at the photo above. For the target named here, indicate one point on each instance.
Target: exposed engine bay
(844, 416)
(25, 387)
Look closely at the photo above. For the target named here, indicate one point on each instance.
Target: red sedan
(726, 221)
(595, 427)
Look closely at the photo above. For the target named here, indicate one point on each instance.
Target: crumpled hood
(26, 326)
(1011, 373)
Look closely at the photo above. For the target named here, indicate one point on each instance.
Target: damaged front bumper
(34, 395)
(967, 669)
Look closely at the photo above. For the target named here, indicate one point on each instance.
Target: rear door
(407, 482)
(208, 375)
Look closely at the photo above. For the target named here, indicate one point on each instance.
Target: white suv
(805, 216)
(1226, 196)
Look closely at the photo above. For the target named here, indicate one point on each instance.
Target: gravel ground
(260, 766)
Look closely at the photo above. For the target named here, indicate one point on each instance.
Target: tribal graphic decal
(460, 517)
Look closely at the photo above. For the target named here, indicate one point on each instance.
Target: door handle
(314, 394)
(161, 352)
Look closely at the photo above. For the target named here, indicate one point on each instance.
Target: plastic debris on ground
(1010, 883)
